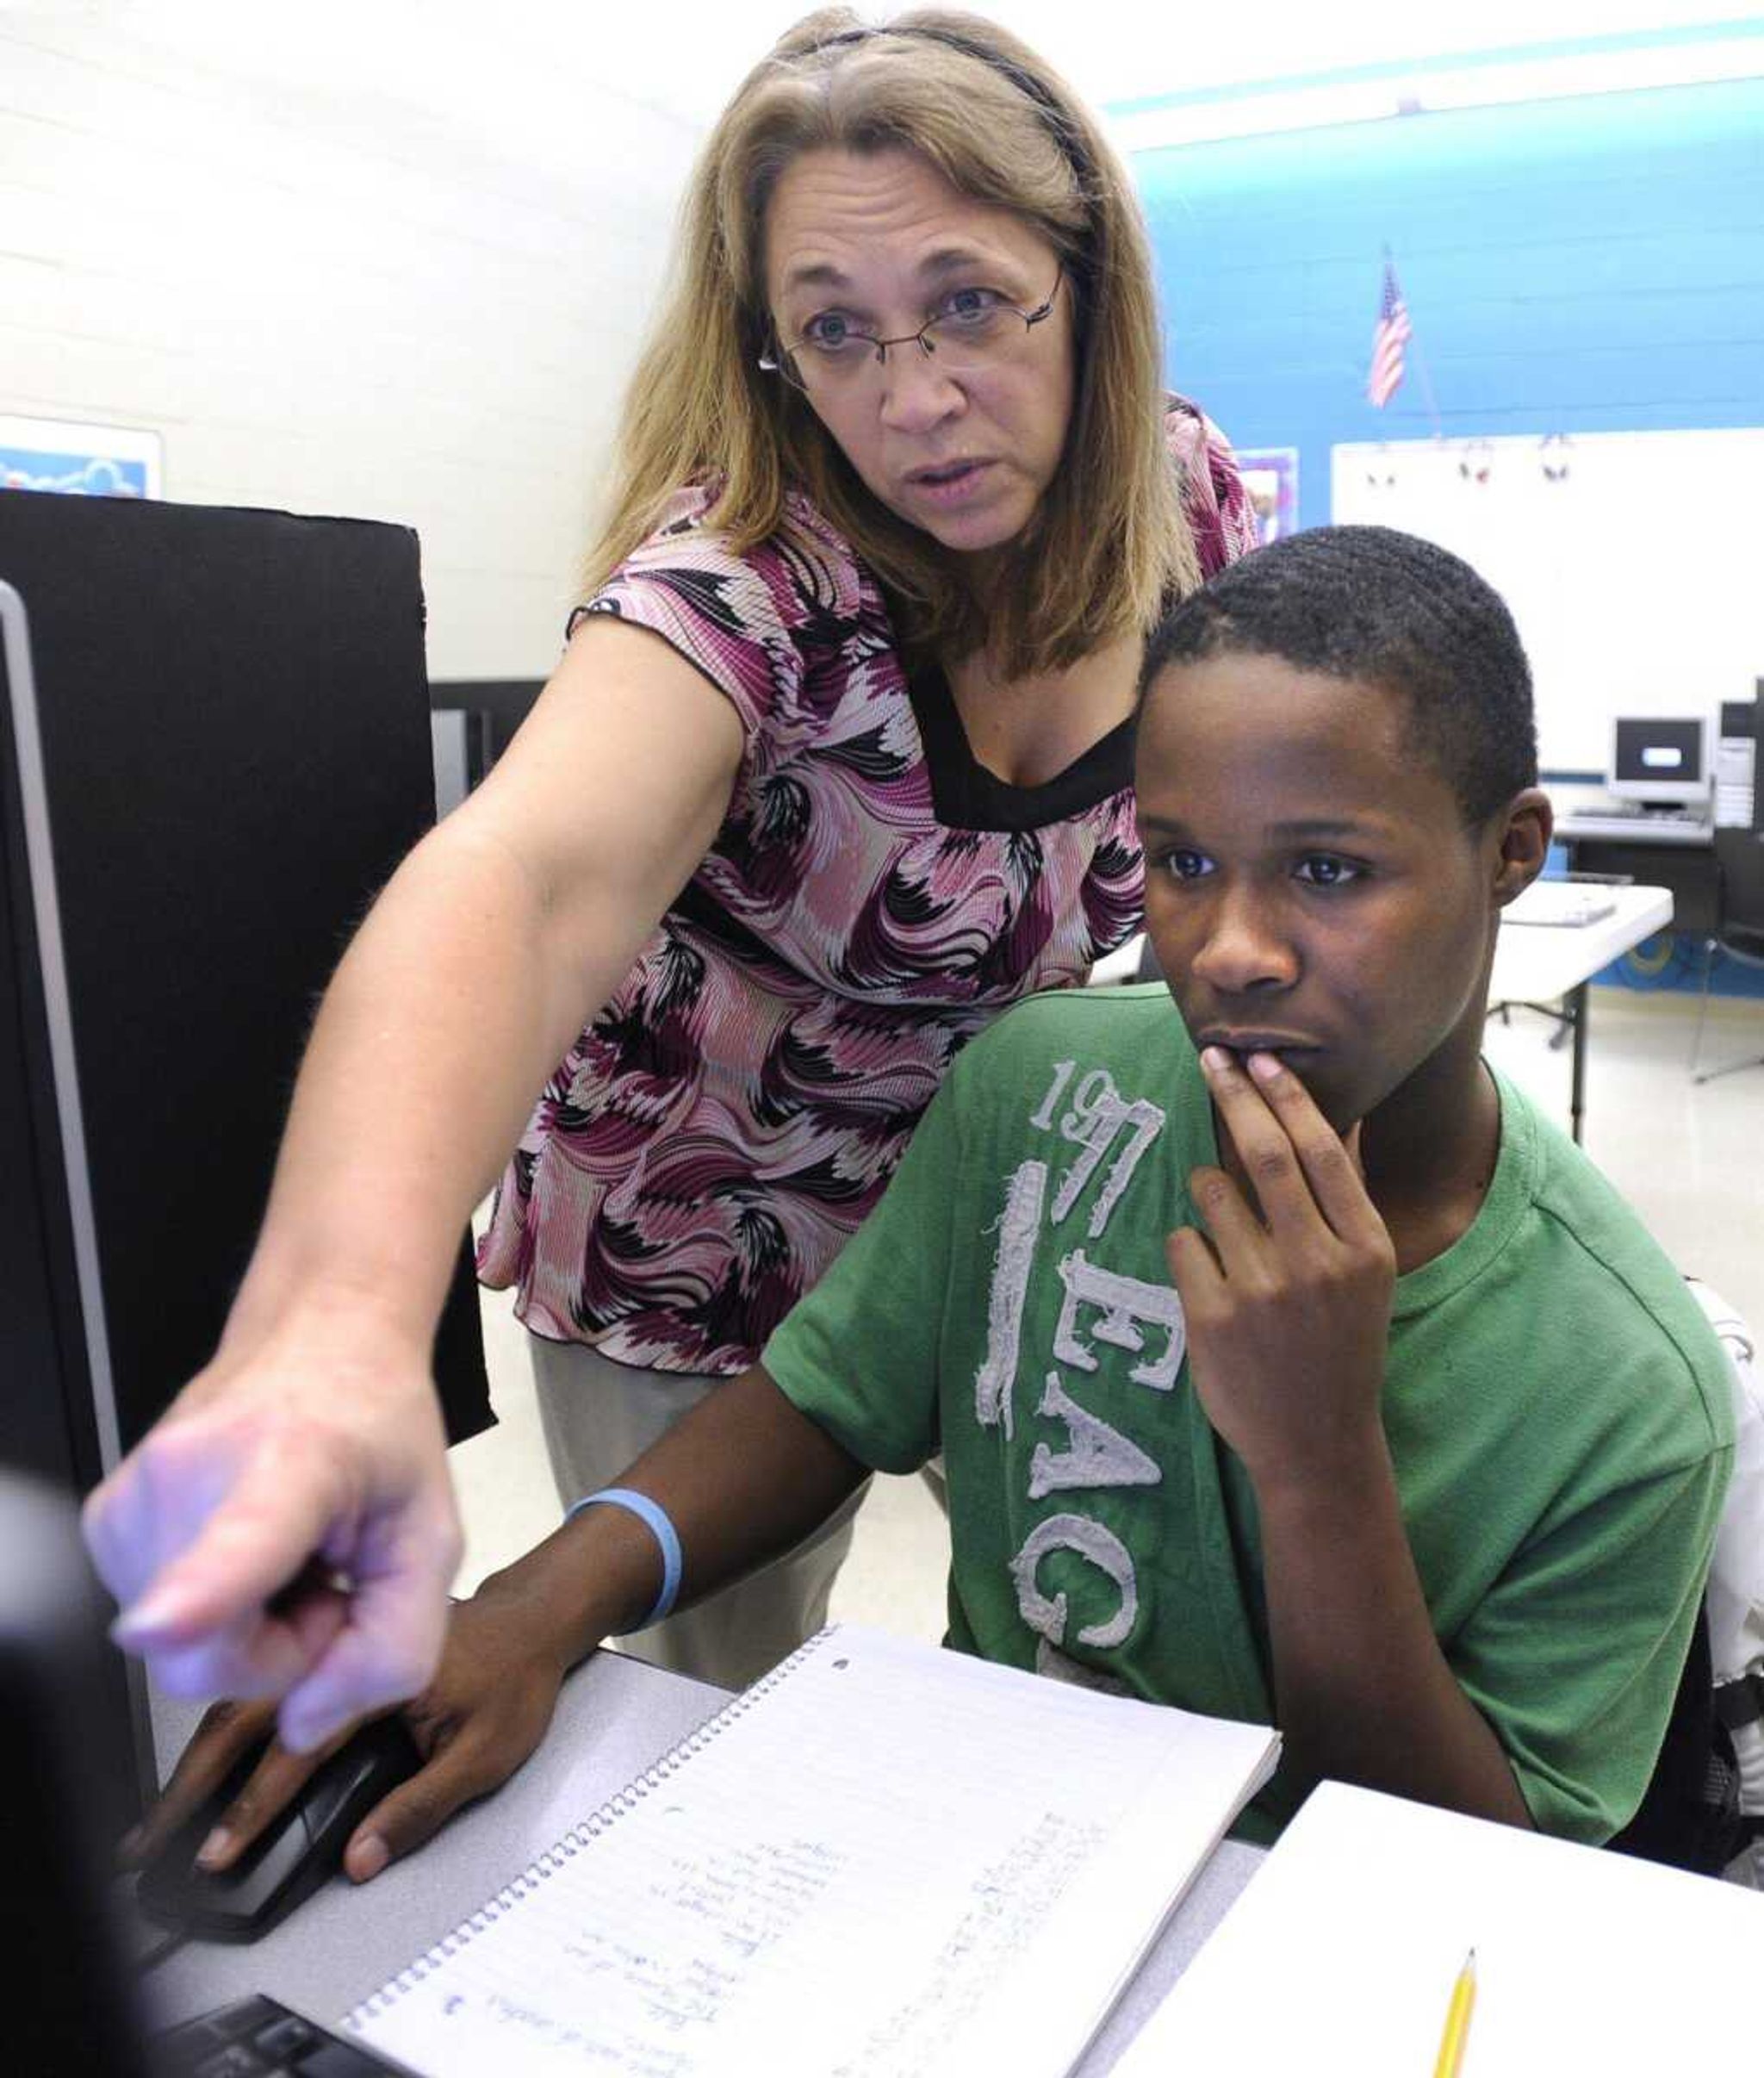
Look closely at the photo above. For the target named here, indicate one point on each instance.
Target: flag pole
(1426, 385)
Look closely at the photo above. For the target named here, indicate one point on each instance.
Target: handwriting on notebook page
(839, 1881)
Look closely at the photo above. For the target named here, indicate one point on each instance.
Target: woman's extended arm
(315, 1433)
(743, 1476)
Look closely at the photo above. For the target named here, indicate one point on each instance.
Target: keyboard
(1635, 825)
(260, 2038)
(1560, 902)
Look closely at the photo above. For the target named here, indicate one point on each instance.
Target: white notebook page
(1340, 1955)
(892, 1861)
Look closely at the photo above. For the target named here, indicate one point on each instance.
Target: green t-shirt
(1557, 1409)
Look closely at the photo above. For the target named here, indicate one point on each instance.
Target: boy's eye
(1323, 869)
(1184, 864)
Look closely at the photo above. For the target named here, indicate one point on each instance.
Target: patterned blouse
(874, 897)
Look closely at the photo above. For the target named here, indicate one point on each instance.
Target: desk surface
(615, 1717)
(1533, 962)
(1540, 963)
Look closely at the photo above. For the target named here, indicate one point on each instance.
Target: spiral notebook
(883, 1861)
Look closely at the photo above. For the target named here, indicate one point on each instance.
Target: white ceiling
(684, 57)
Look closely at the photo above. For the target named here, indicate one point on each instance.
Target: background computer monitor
(1661, 763)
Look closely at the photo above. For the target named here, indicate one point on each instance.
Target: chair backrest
(1705, 1806)
(1739, 853)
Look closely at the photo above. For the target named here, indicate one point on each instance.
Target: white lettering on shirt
(1100, 1455)
(1125, 1303)
(1017, 1231)
(1046, 1614)
(1107, 1120)
(1098, 1306)
(1042, 1118)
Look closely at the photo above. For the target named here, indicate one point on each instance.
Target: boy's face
(1311, 888)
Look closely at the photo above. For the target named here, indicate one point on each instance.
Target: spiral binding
(544, 1866)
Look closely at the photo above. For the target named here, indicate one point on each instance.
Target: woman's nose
(916, 392)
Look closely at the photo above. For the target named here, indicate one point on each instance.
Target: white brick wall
(329, 297)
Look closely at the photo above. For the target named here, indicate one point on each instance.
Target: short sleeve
(859, 1355)
(1574, 1656)
(1214, 495)
(744, 620)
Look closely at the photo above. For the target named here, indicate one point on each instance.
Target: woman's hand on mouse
(484, 1712)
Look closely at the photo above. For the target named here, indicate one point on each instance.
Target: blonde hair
(1108, 544)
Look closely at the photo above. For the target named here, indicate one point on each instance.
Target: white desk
(1547, 963)
(1539, 963)
(616, 1718)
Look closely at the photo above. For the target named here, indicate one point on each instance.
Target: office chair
(1739, 929)
(1703, 1808)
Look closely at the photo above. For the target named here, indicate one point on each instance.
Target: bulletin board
(1633, 563)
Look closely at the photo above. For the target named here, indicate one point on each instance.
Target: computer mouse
(297, 1852)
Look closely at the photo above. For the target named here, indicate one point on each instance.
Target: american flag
(1389, 336)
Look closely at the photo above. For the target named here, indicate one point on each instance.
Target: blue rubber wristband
(665, 1535)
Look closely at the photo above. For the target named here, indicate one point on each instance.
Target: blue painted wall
(1581, 265)
(1590, 265)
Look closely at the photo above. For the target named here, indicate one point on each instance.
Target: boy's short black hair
(1387, 608)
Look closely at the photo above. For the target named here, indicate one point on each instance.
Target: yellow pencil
(1457, 2020)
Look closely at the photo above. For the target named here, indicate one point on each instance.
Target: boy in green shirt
(1285, 1364)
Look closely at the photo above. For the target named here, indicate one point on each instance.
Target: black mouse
(297, 1851)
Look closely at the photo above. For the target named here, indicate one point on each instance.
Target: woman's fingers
(260, 1547)
(389, 1646)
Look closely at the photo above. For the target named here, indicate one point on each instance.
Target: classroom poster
(79, 460)
(1270, 476)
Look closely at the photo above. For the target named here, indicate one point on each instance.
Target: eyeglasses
(976, 330)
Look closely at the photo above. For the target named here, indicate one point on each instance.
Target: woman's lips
(952, 484)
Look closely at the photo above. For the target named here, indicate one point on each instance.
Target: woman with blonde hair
(836, 766)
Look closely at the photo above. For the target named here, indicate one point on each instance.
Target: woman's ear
(1525, 826)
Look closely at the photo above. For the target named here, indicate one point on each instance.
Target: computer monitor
(73, 2006)
(1661, 763)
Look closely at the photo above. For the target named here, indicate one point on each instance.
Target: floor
(1690, 1158)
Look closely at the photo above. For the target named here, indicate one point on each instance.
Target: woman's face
(880, 243)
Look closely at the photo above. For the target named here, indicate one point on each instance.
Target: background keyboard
(1561, 902)
(260, 2038)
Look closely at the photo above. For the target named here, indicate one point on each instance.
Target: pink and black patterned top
(874, 897)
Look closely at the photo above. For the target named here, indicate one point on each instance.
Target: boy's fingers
(1194, 1267)
(468, 1767)
(226, 1732)
(272, 1786)
(1331, 1176)
(1225, 1215)
(1352, 1143)
(1261, 1137)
